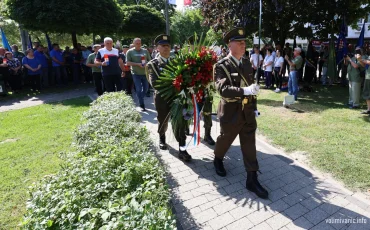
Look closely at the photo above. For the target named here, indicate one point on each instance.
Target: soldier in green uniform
(153, 70)
(206, 108)
(237, 110)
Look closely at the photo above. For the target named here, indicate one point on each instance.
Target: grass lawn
(335, 138)
(30, 140)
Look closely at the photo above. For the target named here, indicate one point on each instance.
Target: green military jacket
(228, 83)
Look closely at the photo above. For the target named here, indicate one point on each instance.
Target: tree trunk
(280, 40)
(74, 39)
(24, 39)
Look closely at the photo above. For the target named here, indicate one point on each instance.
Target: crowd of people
(40, 68)
(279, 67)
(311, 67)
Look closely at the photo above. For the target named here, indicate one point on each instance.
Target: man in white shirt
(256, 61)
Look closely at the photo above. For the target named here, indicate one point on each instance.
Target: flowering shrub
(113, 181)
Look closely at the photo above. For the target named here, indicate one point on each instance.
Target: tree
(280, 19)
(185, 24)
(328, 15)
(141, 21)
(153, 4)
(67, 16)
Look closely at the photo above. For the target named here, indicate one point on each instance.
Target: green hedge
(113, 181)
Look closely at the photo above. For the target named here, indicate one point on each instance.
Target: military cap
(162, 39)
(236, 34)
(125, 46)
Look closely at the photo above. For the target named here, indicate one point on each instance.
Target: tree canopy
(185, 24)
(282, 19)
(67, 16)
(103, 17)
(153, 4)
(141, 21)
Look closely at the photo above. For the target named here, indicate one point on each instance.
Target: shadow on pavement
(201, 199)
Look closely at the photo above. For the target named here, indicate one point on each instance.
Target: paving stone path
(300, 198)
(14, 104)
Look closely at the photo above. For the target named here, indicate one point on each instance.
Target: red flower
(177, 82)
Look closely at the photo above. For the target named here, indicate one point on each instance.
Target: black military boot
(219, 166)
(253, 185)
(184, 155)
(208, 137)
(162, 142)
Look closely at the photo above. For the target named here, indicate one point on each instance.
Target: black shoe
(366, 112)
(142, 108)
(219, 166)
(254, 185)
(209, 139)
(162, 142)
(184, 155)
(354, 107)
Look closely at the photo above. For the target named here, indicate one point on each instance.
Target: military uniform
(153, 70)
(236, 118)
(237, 111)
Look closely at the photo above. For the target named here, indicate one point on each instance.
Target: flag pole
(259, 39)
(167, 19)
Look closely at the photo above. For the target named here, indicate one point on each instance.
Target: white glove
(257, 113)
(251, 90)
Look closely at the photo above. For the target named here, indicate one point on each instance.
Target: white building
(354, 33)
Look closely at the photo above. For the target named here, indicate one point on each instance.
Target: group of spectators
(311, 66)
(271, 64)
(40, 68)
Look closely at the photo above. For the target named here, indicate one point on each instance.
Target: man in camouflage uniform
(153, 70)
(237, 110)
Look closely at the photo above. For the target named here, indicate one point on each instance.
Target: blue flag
(29, 42)
(360, 41)
(50, 47)
(5, 41)
(342, 43)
